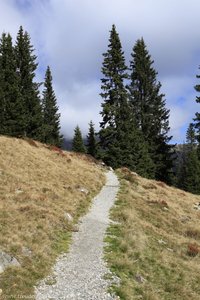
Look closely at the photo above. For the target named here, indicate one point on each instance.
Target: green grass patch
(147, 250)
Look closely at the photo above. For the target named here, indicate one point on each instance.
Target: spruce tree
(191, 167)
(179, 164)
(2, 100)
(197, 119)
(114, 95)
(51, 117)
(191, 136)
(148, 106)
(26, 67)
(113, 89)
(77, 143)
(91, 141)
(128, 148)
(11, 101)
(191, 179)
(121, 142)
(188, 175)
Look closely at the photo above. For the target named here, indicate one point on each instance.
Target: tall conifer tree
(189, 175)
(91, 141)
(51, 117)
(77, 143)
(2, 100)
(191, 136)
(115, 103)
(11, 102)
(191, 179)
(26, 67)
(197, 119)
(149, 109)
(121, 141)
(113, 91)
(190, 169)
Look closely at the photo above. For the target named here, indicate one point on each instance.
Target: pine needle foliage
(197, 118)
(77, 143)
(21, 112)
(51, 116)
(92, 147)
(191, 135)
(121, 139)
(26, 68)
(149, 109)
(11, 101)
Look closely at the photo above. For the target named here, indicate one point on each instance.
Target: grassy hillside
(38, 185)
(155, 248)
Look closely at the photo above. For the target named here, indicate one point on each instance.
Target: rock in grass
(18, 191)
(162, 242)
(83, 190)
(139, 278)
(68, 217)
(185, 219)
(75, 228)
(26, 251)
(197, 206)
(6, 261)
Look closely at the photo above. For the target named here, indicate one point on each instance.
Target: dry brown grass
(158, 239)
(37, 185)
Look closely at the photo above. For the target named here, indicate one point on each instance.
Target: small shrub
(24, 208)
(192, 233)
(149, 186)
(45, 190)
(160, 203)
(193, 250)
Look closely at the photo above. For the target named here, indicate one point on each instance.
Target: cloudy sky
(71, 35)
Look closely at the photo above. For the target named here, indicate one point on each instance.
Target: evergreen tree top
(51, 116)
(144, 91)
(91, 140)
(191, 135)
(148, 105)
(48, 82)
(197, 87)
(142, 64)
(26, 59)
(77, 143)
(113, 89)
(114, 60)
(197, 119)
(50, 108)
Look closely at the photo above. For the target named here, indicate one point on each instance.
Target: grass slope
(37, 185)
(155, 248)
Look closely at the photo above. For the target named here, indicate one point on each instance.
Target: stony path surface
(79, 274)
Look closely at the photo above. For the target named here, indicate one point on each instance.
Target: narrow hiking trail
(79, 274)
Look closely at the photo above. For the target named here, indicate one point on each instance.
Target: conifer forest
(134, 131)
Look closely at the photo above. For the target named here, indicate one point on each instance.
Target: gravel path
(79, 274)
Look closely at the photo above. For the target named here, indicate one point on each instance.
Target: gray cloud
(10, 18)
(71, 36)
